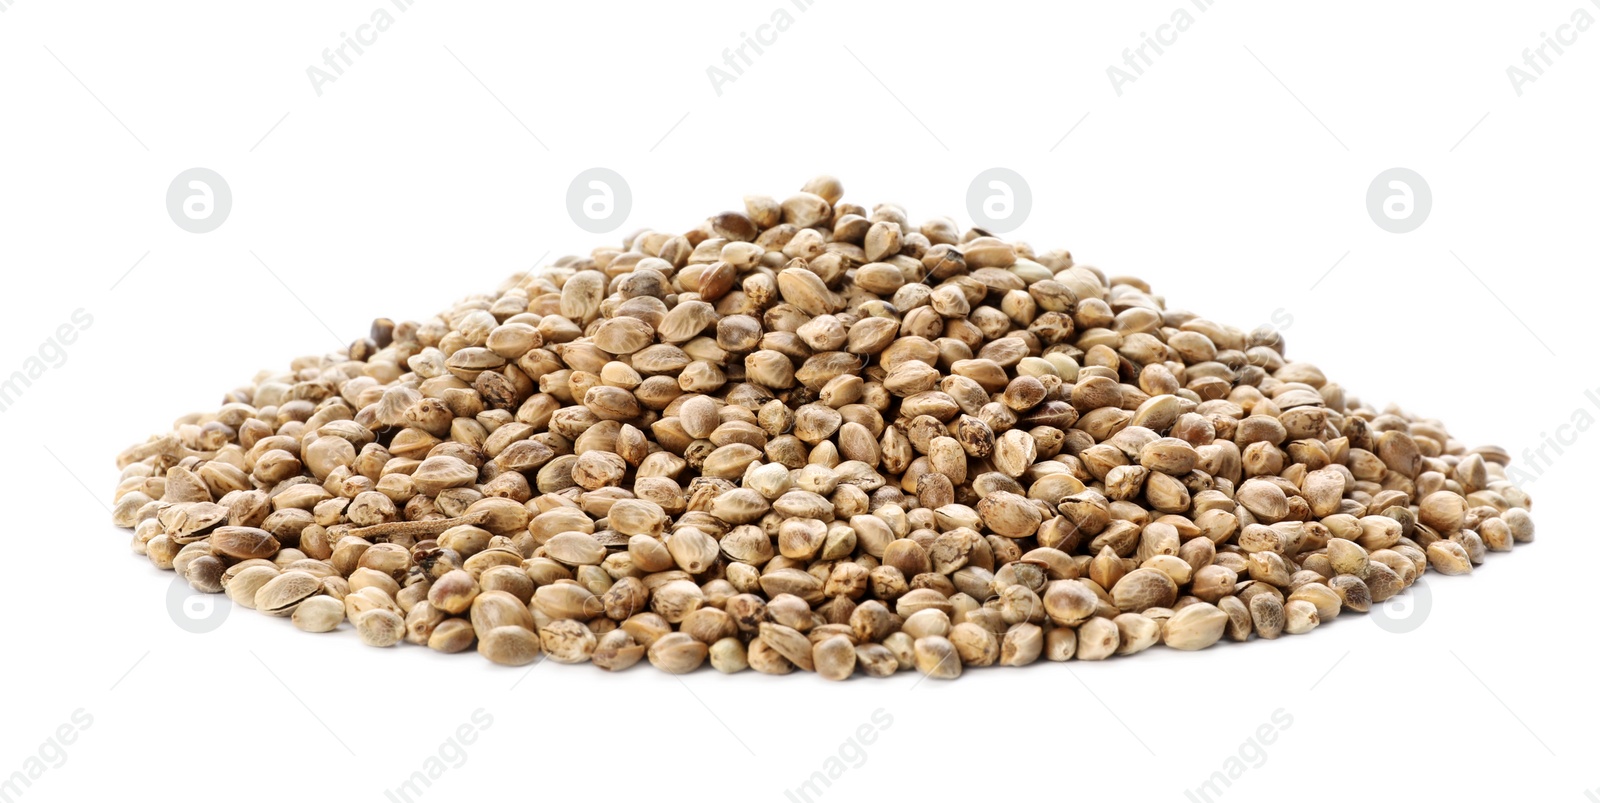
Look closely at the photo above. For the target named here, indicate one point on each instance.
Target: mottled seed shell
(318, 614)
(1195, 627)
(510, 645)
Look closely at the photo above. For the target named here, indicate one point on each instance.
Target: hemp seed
(816, 436)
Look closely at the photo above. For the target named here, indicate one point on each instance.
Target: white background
(1232, 175)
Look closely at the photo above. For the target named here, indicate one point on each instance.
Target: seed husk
(616, 651)
(1098, 639)
(790, 643)
(318, 614)
(493, 609)
(1521, 524)
(452, 635)
(567, 641)
(936, 657)
(728, 655)
(677, 653)
(1022, 644)
(1322, 597)
(1060, 644)
(1383, 582)
(1195, 627)
(766, 660)
(1449, 557)
(876, 660)
(243, 543)
(1268, 616)
(1300, 616)
(1353, 592)
(834, 657)
(454, 592)
(1069, 602)
(575, 549)
(1240, 625)
(280, 595)
(243, 587)
(380, 628)
(204, 573)
(509, 645)
(976, 645)
(1136, 633)
(1144, 588)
